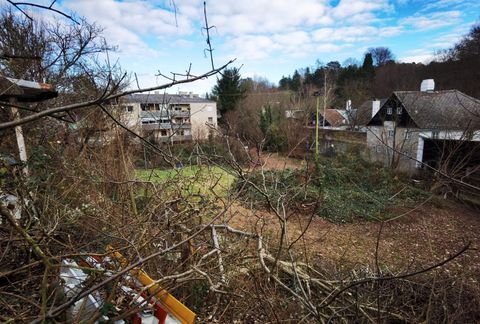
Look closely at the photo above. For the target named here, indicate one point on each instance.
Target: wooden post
(316, 126)
(22, 150)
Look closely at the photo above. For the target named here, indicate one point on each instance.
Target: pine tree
(228, 91)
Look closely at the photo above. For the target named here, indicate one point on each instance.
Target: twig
(401, 276)
(50, 8)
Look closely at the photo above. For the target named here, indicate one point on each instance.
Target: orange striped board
(171, 305)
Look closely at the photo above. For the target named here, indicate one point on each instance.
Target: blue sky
(271, 38)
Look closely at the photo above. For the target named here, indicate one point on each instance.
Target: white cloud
(433, 20)
(450, 4)
(129, 23)
(264, 31)
(250, 31)
(420, 58)
(353, 34)
(449, 39)
(252, 47)
(265, 16)
(350, 8)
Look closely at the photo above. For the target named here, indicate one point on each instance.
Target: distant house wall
(382, 139)
(337, 140)
(204, 119)
(410, 142)
(130, 113)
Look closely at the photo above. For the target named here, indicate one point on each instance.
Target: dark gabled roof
(363, 114)
(165, 98)
(448, 109)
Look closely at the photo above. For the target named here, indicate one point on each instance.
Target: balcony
(175, 138)
(178, 113)
(157, 114)
(156, 126)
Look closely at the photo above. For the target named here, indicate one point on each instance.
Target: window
(391, 133)
(408, 135)
(163, 133)
(389, 110)
(210, 119)
(399, 110)
(128, 108)
(378, 148)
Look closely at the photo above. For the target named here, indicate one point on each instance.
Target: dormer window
(389, 110)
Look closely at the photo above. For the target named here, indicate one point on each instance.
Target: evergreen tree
(367, 66)
(265, 119)
(228, 91)
(284, 83)
(296, 82)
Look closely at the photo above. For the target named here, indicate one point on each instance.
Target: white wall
(199, 116)
(380, 142)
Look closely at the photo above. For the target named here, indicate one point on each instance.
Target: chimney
(427, 85)
(375, 107)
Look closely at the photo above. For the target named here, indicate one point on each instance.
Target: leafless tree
(381, 55)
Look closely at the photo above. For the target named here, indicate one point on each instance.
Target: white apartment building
(171, 118)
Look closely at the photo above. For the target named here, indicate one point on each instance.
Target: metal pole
(316, 127)
(324, 95)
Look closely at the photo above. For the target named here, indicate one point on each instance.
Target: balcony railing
(175, 138)
(149, 127)
(164, 113)
(177, 113)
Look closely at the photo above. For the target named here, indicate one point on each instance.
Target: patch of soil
(421, 238)
(274, 161)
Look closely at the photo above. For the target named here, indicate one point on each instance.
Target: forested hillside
(379, 73)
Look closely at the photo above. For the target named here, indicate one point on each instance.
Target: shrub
(343, 189)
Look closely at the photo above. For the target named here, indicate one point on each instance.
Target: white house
(414, 128)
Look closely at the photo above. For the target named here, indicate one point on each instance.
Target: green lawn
(194, 179)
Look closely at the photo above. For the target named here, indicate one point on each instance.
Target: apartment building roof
(166, 98)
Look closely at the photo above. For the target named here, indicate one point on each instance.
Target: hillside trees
(469, 46)
(379, 74)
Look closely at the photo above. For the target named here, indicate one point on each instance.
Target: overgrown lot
(341, 189)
